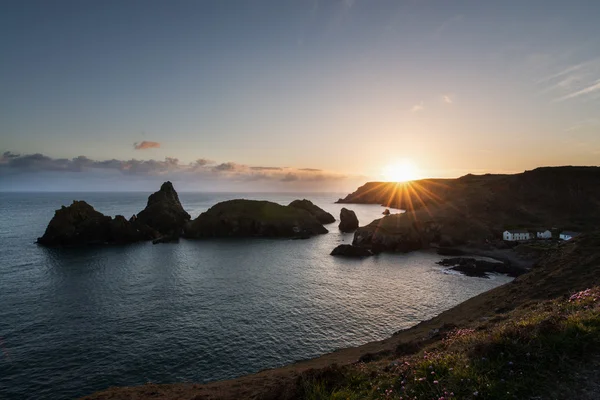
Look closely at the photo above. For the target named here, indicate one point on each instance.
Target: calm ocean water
(74, 321)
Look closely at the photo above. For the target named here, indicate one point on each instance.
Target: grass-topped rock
(323, 216)
(253, 218)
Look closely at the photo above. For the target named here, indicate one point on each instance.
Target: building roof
(517, 231)
(570, 233)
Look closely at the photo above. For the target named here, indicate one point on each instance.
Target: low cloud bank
(12, 164)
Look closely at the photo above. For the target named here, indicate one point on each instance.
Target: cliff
(476, 209)
(545, 197)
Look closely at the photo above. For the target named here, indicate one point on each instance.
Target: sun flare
(400, 172)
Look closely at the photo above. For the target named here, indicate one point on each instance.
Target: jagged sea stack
(348, 220)
(164, 211)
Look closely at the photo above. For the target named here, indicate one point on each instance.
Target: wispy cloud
(447, 99)
(590, 89)
(146, 145)
(565, 71)
(585, 124)
(417, 107)
(573, 81)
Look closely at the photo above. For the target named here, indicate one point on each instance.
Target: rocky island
(248, 218)
(79, 224)
(164, 220)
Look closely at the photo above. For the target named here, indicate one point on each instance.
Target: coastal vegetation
(546, 350)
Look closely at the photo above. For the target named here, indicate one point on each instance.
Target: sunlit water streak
(73, 321)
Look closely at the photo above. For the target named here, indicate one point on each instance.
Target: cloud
(447, 99)
(587, 90)
(266, 168)
(289, 177)
(170, 167)
(310, 169)
(590, 123)
(201, 162)
(565, 71)
(417, 107)
(228, 166)
(146, 145)
(573, 81)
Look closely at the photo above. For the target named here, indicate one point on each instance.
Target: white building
(516, 234)
(544, 234)
(568, 235)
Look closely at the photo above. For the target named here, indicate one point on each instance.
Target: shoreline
(275, 383)
(558, 274)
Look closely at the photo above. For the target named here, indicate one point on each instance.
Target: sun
(400, 172)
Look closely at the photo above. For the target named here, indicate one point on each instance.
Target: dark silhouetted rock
(348, 220)
(481, 268)
(322, 216)
(122, 231)
(248, 218)
(386, 211)
(396, 233)
(164, 212)
(347, 250)
(79, 224)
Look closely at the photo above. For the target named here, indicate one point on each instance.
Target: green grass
(260, 210)
(535, 352)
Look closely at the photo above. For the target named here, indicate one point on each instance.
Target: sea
(78, 320)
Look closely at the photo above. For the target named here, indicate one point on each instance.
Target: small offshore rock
(348, 220)
(347, 250)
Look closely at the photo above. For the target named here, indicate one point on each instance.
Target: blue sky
(289, 87)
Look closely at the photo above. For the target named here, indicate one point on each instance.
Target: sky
(280, 95)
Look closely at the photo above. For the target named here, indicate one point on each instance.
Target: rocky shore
(481, 268)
